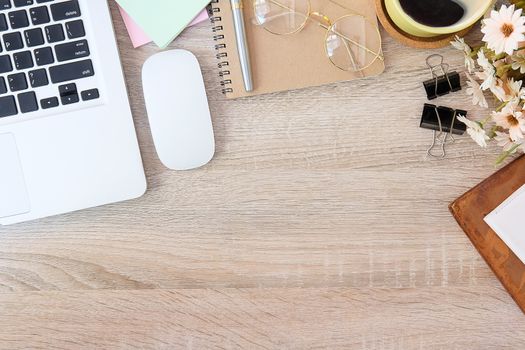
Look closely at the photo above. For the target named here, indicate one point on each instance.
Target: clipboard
(470, 210)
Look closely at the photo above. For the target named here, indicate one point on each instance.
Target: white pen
(242, 44)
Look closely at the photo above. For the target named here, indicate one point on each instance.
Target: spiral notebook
(282, 63)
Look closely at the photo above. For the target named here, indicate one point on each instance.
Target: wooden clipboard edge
(457, 209)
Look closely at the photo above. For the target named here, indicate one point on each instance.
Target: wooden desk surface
(319, 224)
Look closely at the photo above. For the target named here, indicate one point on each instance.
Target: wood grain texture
(281, 318)
(319, 224)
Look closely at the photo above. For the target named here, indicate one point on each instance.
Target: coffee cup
(429, 18)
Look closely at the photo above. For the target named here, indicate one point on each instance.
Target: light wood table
(319, 224)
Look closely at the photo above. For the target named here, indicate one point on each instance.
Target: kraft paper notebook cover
(470, 211)
(288, 62)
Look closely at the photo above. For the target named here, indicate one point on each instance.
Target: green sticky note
(163, 20)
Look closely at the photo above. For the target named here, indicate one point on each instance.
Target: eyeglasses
(352, 42)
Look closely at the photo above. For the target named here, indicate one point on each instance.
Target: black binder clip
(444, 124)
(442, 81)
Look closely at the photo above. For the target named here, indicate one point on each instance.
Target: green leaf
(506, 154)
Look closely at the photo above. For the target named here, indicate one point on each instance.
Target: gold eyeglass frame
(329, 27)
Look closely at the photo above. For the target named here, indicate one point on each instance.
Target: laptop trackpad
(13, 193)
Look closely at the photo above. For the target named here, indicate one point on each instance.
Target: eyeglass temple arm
(271, 18)
(342, 6)
(281, 5)
(287, 8)
(378, 55)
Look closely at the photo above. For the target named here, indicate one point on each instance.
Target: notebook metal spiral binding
(220, 47)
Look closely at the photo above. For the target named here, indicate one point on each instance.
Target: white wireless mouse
(178, 111)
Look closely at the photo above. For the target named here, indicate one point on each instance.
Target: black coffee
(434, 13)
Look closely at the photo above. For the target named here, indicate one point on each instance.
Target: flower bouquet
(498, 66)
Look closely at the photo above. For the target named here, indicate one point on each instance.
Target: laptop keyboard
(44, 54)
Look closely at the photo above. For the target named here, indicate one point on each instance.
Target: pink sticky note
(201, 17)
(137, 35)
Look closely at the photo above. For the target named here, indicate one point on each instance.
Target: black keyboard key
(27, 102)
(71, 71)
(23, 60)
(5, 4)
(13, 41)
(65, 10)
(5, 64)
(44, 56)
(21, 3)
(39, 15)
(34, 37)
(55, 33)
(72, 50)
(47, 103)
(68, 94)
(42, 1)
(89, 95)
(38, 78)
(18, 19)
(75, 29)
(3, 87)
(67, 89)
(3, 23)
(17, 82)
(69, 99)
(8, 106)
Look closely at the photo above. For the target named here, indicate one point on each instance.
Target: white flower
(498, 90)
(489, 80)
(503, 140)
(483, 61)
(516, 92)
(518, 62)
(475, 130)
(512, 119)
(474, 90)
(470, 64)
(460, 45)
(504, 30)
(488, 75)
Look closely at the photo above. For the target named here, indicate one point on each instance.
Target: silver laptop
(67, 139)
